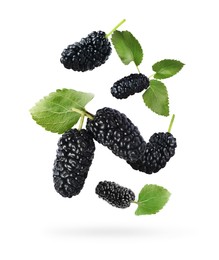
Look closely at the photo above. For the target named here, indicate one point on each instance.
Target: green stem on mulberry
(135, 202)
(115, 28)
(171, 123)
(151, 76)
(137, 68)
(83, 113)
(81, 122)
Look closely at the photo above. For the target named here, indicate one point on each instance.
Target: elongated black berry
(89, 53)
(160, 148)
(115, 194)
(114, 130)
(129, 85)
(73, 160)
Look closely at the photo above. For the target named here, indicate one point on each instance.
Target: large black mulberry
(73, 160)
(115, 194)
(160, 148)
(129, 85)
(89, 53)
(114, 130)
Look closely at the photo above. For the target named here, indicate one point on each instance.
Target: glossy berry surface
(115, 131)
(89, 53)
(129, 85)
(160, 148)
(115, 194)
(73, 159)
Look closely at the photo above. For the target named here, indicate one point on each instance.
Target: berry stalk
(151, 76)
(81, 123)
(137, 68)
(83, 113)
(171, 123)
(115, 28)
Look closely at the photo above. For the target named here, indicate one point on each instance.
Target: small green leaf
(166, 68)
(156, 98)
(151, 199)
(54, 112)
(127, 47)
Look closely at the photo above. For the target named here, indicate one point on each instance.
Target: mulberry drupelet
(129, 85)
(160, 148)
(114, 130)
(89, 53)
(115, 194)
(73, 160)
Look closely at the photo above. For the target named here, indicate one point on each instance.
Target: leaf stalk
(83, 113)
(151, 76)
(81, 122)
(137, 68)
(171, 123)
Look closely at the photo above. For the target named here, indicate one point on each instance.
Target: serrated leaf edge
(167, 100)
(169, 194)
(67, 111)
(127, 46)
(166, 60)
(139, 45)
(116, 47)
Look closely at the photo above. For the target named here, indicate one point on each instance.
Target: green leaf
(156, 98)
(54, 112)
(127, 47)
(151, 199)
(166, 68)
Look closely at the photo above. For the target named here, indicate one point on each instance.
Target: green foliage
(151, 199)
(127, 47)
(156, 98)
(166, 68)
(55, 111)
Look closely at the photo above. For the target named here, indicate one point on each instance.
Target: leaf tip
(136, 213)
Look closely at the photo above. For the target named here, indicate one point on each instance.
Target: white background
(37, 223)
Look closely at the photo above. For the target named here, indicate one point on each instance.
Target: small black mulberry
(160, 148)
(114, 130)
(73, 160)
(89, 53)
(129, 85)
(115, 194)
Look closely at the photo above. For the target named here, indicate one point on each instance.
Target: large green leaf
(55, 111)
(156, 98)
(166, 68)
(151, 199)
(127, 47)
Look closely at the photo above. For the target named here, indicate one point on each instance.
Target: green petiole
(171, 123)
(83, 113)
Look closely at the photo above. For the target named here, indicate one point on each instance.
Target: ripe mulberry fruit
(160, 148)
(73, 160)
(115, 194)
(89, 53)
(114, 130)
(129, 85)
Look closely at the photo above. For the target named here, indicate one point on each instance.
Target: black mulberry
(89, 53)
(73, 160)
(115, 194)
(160, 148)
(129, 85)
(114, 130)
